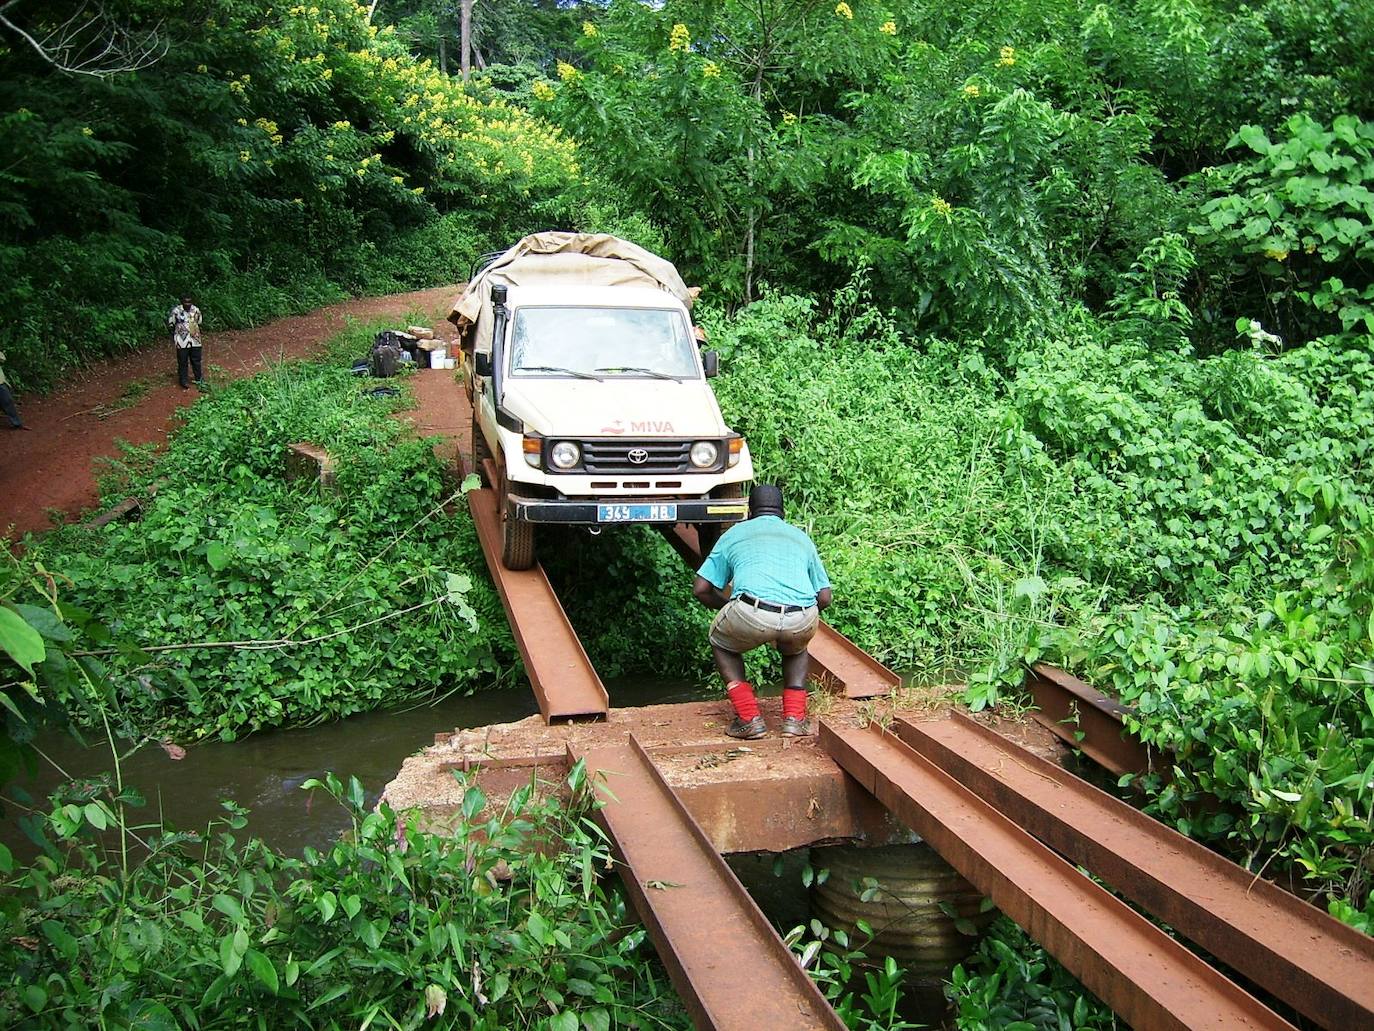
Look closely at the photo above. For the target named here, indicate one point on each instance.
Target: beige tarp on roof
(564, 259)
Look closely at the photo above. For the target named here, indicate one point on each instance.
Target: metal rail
(1086, 719)
(837, 663)
(560, 673)
(1318, 965)
(1144, 975)
(724, 958)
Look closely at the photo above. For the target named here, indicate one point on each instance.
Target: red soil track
(54, 467)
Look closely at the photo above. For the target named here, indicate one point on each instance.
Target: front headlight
(565, 454)
(704, 454)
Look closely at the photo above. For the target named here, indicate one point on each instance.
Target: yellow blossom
(342, 125)
(542, 91)
(86, 130)
(328, 73)
(397, 180)
(1311, 248)
(844, 11)
(972, 90)
(245, 156)
(710, 70)
(588, 29)
(679, 39)
(241, 121)
(941, 207)
(418, 190)
(888, 28)
(1277, 253)
(788, 117)
(1008, 57)
(202, 69)
(566, 72)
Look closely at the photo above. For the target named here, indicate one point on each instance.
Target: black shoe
(185, 386)
(747, 730)
(793, 727)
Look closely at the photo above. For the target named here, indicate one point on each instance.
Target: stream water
(264, 772)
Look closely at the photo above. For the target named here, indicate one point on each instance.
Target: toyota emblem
(637, 456)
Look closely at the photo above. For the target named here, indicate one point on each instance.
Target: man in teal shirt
(778, 588)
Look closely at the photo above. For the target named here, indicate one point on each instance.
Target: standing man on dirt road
(779, 588)
(7, 400)
(184, 324)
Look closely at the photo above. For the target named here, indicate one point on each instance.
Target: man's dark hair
(765, 499)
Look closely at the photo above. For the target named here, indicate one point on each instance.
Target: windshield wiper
(655, 373)
(559, 368)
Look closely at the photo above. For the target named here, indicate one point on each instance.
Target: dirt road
(54, 466)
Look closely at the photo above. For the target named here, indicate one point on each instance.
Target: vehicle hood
(615, 407)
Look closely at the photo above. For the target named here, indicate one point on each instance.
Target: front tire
(517, 543)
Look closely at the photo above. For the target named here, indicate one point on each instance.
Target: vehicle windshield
(602, 342)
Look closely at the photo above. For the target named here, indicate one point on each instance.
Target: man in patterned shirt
(184, 324)
(778, 589)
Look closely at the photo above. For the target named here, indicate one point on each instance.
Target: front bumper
(569, 511)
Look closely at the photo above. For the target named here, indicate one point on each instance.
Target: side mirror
(481, 361)
(710, 363)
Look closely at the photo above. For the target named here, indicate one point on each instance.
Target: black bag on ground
(386, 354)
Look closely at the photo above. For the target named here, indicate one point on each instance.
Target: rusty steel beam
(727, 963)
(1086, 719)
(1318, 965)
(1144, 975)
(837, 663)
(560, 673)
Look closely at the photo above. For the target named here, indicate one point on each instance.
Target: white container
(450, 363)
(437, 357)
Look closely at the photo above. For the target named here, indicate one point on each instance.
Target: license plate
(636, 513)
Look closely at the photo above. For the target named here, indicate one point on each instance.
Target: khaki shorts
(741, 628)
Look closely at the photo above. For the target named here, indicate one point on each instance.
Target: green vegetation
(1054, 317)
(274, 158)
(241, 600)
(389, 926)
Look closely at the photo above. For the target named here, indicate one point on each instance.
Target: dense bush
(274, 158)
(245, 601)
(389, 926)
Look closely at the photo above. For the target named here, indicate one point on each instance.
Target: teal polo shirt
(769, 559)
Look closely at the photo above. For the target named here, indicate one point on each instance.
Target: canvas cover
(563, 259)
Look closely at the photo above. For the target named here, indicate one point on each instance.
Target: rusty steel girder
(560, 673)
(1144, 975)
(1316, 964)
(1086, 719)
(727, 963)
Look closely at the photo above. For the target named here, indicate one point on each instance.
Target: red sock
(794, 703)
(741, 695)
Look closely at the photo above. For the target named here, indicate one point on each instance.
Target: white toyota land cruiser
(589, 393)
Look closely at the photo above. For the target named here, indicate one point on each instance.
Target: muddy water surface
(264, 772)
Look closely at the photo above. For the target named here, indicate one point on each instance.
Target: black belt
(768, 606)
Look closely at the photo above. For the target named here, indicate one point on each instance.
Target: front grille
(613, 456)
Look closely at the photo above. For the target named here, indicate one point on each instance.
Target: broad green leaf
(21, 642)
(262, 969)
(218, 556)
(228, 906)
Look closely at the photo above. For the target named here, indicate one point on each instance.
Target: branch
(90, 42)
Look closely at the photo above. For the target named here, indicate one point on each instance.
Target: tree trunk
(443, 53)
(751, 233)
(466, 34)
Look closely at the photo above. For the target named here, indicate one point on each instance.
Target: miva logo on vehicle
(637, 456)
